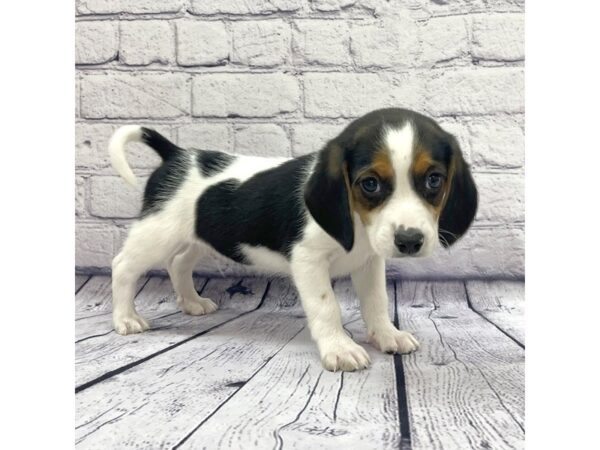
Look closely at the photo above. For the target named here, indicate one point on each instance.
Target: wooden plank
(502, 303)
(294, 403)
(465, 386)
(80, 280)
(158, 403)
(350, 410)
(156, 299)
(95, 298)
(109, 351)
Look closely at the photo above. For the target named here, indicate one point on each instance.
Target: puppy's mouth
(420, 254)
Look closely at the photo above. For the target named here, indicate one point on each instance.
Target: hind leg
(148, 244)
(181, 270)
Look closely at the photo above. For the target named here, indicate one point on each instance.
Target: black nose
(408, 241)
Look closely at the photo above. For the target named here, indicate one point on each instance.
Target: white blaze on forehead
(400, 142)
(405, 207)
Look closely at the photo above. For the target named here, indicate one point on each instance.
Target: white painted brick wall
(261, 43)
(144, 42)
(279, 78)
(321, 42)
(202, 43)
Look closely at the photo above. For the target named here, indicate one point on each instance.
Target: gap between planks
(465, 386)
(231, 404)
(116, 344)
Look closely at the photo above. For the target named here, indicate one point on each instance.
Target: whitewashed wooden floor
(248, 376)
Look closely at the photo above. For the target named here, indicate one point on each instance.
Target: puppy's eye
(370, 185)
(434, 181)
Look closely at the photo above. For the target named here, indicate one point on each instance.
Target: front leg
(369, 283)
(337, 350)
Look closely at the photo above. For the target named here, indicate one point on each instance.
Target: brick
(145, 42)
(324, 42)
(247, 95)
(481, 91)
(496, 252)
(501, 198)
(493, 253)
(94, 245)
(202, 43)
(113, 197)
(481, 105)
(312, 137)
(499, 37)
(261, 43)
(80, 209)
(244, 7)
(205, 136)
(96, 42)
(261, 140)
(135, 95)
(129, 6)
(442, 40)
(77, 95)
(91, 147)
(497, 142)
(504, 5)
(388, 9)
(351, 95)
(331, 5)
(425, 9)
(391, 43)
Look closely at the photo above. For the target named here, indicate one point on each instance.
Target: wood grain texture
(158, 403)
(465, 386)
(293, 403)
(80, 280)
(169, 326)
(349, 410)
(95, 297)
(157, 298)
(502, 303)
(251, 378)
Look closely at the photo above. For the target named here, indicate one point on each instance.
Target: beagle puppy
(393, 184)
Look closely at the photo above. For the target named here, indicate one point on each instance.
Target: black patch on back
(211, 162)
(164, 182)
(266, 210)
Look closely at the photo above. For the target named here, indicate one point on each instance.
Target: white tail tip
(116, 150)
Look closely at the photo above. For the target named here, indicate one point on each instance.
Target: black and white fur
(292, 216)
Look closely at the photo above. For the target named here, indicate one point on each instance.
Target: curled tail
(135, 133)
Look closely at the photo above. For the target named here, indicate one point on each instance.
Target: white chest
(345, 263)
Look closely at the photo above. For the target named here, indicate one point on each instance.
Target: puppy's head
(400, 175)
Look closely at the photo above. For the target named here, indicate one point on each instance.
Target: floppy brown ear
(461, 205)
(327, 197)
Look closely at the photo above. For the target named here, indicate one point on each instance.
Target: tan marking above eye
(422, 162)
(422, 165)
(382, 165)
(382, 169)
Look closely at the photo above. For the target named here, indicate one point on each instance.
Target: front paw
(391, 340)
(343, 354)
(129, 324)
(197, 306)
